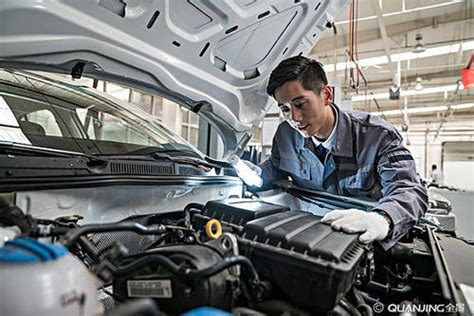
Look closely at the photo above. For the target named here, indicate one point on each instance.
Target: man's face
(306, 111)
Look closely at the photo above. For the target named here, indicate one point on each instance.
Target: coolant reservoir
(44, 279)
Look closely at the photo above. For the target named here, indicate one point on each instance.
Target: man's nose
(296, 114)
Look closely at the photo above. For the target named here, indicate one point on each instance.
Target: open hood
(213, 57)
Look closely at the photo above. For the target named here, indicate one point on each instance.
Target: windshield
(41, 112)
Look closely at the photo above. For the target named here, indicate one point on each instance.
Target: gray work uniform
(367, 160)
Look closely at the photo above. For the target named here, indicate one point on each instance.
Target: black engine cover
(306, 260)
(240, 211)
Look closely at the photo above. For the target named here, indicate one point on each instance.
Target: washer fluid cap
(29, 250)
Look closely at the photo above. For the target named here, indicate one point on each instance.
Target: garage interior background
(420, 46)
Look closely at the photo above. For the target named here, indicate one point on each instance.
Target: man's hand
(374, 226)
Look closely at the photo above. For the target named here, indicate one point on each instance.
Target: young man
(345, 152)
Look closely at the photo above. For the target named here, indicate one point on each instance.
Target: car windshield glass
(50, 114)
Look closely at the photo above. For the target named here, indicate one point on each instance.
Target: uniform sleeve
(270, 170)
(404, 199)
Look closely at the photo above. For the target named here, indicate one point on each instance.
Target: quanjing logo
(378, 307)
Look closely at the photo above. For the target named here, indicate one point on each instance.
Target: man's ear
(327, 95)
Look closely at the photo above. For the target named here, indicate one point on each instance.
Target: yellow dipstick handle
(213, 229)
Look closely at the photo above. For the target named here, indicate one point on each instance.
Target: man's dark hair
(308, 71)
(434, 167)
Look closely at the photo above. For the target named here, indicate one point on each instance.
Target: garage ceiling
(386, 32)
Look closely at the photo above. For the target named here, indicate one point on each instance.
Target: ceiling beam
(453, 74)
(320, 50)
(383, 34)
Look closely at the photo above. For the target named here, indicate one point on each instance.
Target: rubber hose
(348, 307)
(226, 263)
(204, 273)
(367, 308)
(144, 261)
(71, 237)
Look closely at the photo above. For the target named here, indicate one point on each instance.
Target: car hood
(213, 57)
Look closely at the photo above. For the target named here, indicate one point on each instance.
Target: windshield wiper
(190, 160)
(31, 149)
(150, 151)
(182, 155)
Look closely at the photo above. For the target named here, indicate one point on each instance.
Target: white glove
(255, 168)
(374, 226)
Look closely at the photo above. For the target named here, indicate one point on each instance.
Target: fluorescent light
(434, 6)
(462, 106)
(378, 96)
(429, 52)
(429, 109)
(407, 93)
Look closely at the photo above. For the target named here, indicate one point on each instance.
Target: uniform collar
(331, 140)
(343, 132)
(343, 135)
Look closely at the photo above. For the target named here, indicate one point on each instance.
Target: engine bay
(244, 256)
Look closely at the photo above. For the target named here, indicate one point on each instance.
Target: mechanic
(323, 147)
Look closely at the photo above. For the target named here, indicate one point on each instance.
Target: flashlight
(249, 176)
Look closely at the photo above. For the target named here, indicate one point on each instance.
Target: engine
(241, 255)
(301, 257)
(245, 251)
(160, 273)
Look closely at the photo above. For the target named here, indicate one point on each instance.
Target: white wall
(426, 153)
(459, 174)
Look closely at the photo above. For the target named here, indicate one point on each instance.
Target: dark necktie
(321, 153)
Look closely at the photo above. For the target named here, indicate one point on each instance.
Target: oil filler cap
(213, 229)
(28, 250)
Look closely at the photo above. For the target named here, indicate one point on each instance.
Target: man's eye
(284, 109)
(300, 104)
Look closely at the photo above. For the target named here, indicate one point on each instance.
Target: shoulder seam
(389, 128)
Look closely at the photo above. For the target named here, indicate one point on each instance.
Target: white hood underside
(214, 57)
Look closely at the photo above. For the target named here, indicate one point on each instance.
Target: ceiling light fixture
(419, 47)
(429, 52)
(418, 85)
(429, 109)
(407, 93)
(405, 11)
